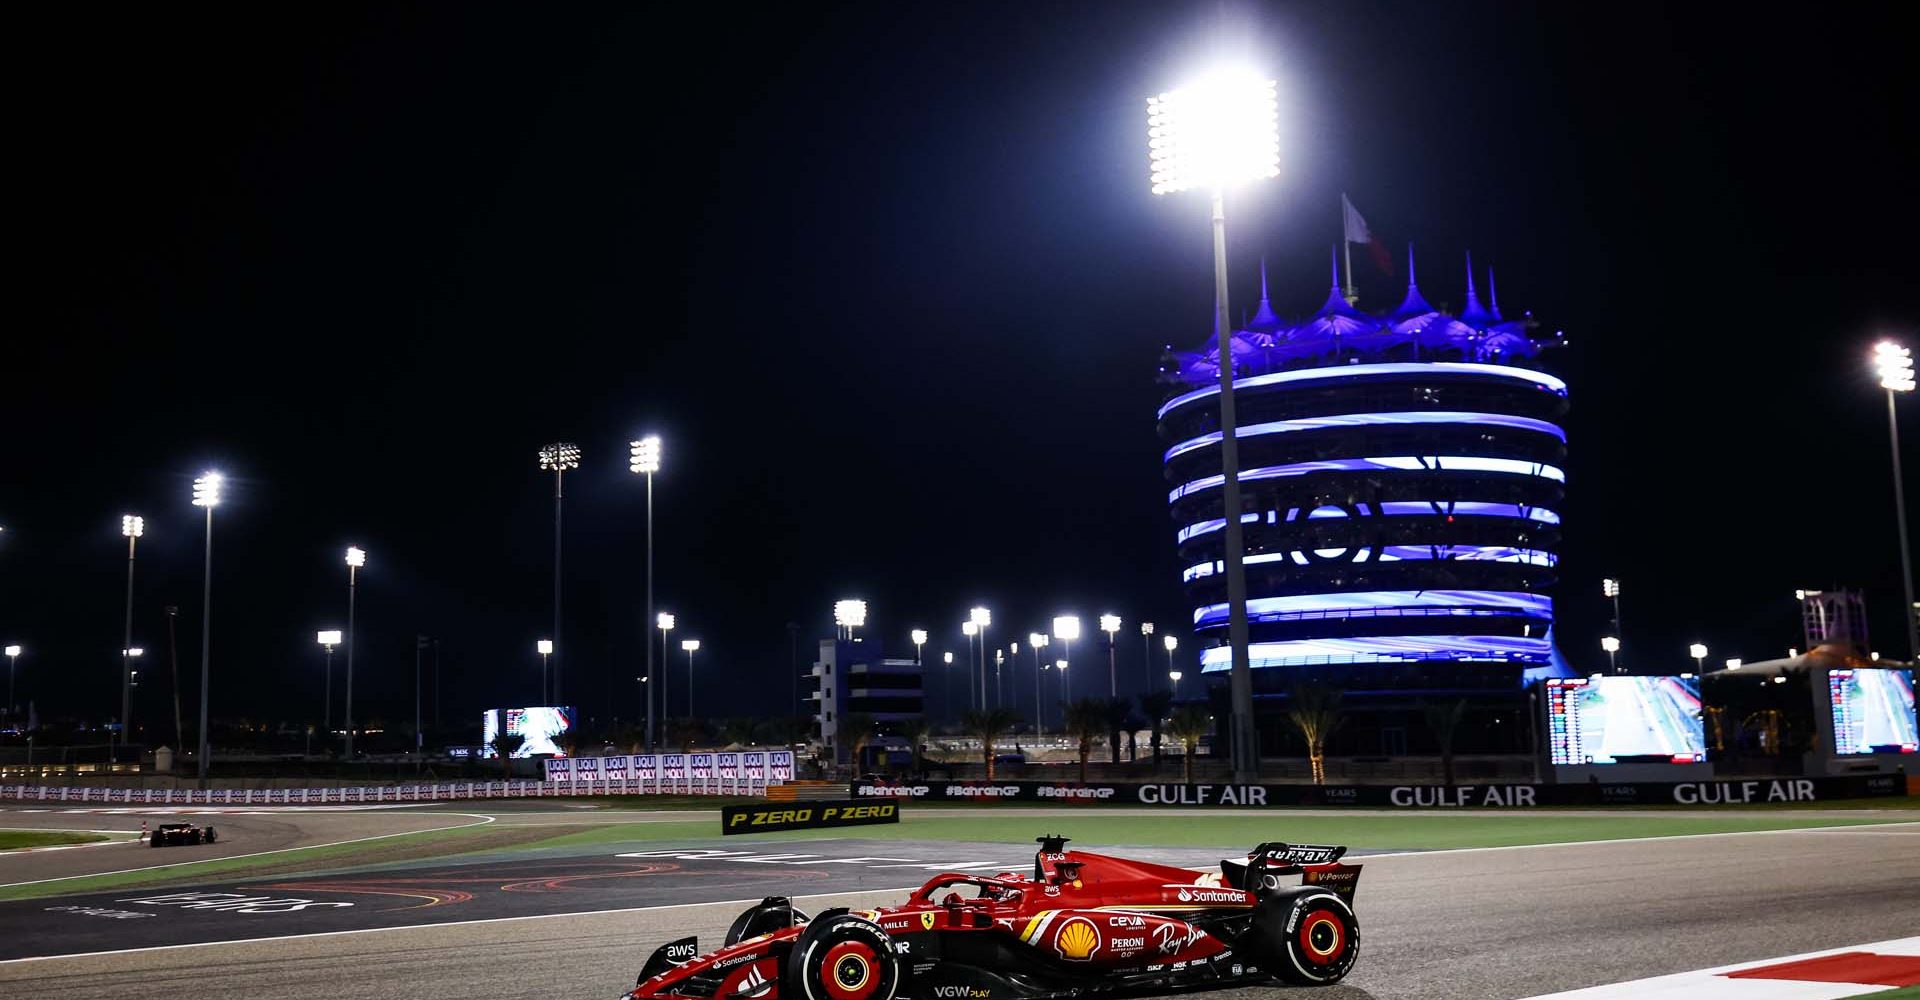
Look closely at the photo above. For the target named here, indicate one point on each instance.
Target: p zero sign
(806, 816)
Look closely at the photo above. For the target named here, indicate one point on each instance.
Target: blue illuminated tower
(1402, 482)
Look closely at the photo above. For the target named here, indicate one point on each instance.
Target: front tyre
(1306, 936)
(843, 957)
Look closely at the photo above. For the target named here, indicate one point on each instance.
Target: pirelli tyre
(842, 957)
(771, 914)
(1306, 936)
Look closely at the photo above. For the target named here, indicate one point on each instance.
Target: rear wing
(1316, 864)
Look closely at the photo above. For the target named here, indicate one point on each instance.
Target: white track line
(1705, 983)
(483, 820)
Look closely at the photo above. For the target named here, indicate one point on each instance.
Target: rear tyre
(843, 957)
(1305, 936)
(774, 914)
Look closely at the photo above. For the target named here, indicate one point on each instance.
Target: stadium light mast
(558, 458)
(1894, 364)
(132, 526)
(947, 658)
(1038, 641)
(1174, 676)
(664, 621)
(643, 459)
(919, 637)
(971, 630)
(13, 660)
(328, 639)
(1610, 589)
(1699, 653)
(850, 614)
(1612, 646)
(1110, 624)
(356, 558)
(545, 648)
(206, 493)
(1146, 655)
(1172, 642)
(691, 646)
(982, 619)
(1218, 132)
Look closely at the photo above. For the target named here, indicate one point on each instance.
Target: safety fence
(430, 792)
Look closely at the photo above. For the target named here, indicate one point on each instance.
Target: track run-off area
(544, 901)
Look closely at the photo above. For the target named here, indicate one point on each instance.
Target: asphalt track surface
(1499, 923)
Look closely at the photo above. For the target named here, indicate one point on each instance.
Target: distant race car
(1079, 924)
(181, 833)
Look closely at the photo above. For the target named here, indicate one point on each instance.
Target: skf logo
(1078, 940)
(926, 921)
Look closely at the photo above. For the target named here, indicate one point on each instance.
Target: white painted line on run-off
(1816, 975)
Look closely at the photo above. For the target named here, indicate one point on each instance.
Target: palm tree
(915, 732)
(987, 725)
(1189, 725)
(506, 745)
(1155, 705)
(1315, 711)
(738, 732)
(1115, 712)
(1085, 721)
(1444, 718)
(686, 733)
(856, 734)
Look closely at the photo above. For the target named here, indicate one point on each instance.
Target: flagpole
(1346, 246)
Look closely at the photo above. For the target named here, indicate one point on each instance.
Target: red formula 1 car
(1079, 924)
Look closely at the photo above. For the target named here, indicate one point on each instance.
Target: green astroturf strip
(1903, 993)
(11, 840)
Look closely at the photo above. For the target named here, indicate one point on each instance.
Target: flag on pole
(1357, 232)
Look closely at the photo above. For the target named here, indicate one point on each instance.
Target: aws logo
(1078, 940)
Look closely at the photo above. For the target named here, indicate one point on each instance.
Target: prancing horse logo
(926, 921)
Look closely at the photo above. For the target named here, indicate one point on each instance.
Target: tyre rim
(1323, 937)
(850, 972)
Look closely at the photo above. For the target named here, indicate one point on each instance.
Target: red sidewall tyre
(843, 957)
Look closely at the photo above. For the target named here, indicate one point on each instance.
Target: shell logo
(1078, 940)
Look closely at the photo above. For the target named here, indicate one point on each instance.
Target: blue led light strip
(1372, 420)
(1409, 463)
(1382, 649)
(1467, 601)
(1394, 553)
(1442, 368)
(1401, 508)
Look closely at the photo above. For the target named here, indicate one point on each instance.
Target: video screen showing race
(545, 728)
(1601, 720)
(1872, 711)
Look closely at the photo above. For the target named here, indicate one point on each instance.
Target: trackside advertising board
(771, 766)
(1733, 791)
(806, 816)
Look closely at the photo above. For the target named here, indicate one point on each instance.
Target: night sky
(890, 283)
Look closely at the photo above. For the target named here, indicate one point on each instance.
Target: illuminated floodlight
(560, 457)
(1014, 648)
(850, 613)
(1172, 643)
(1894, 365)
(1066, 627)
(1175, 675)
(206, 489)
(664, 621)
(1697, 650)
(13, 650)
(690, 645)
(1146, 628)
(328, 637)
(543, 646)
(1110, 624)
(1610, 644)
(1217, 131)
(1734, 663)
(1610, 587)
(644, 455)
(356, 556)
(1060, 665)
(135, 653)
(919, 636)
(969, 629)
(980, 617)
(947, 658)
(133, 525)
(1037, 640)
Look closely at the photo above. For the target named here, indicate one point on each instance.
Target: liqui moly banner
(758, 765)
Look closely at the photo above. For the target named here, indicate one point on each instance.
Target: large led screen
(1598, 720)
(544, 727)
(1872, 711)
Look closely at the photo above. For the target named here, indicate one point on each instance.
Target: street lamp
(691, 646)
(1218, 132)
(1172, 642)
(981, 618)
(1894, 364)
(557, 458)
(206, 493)
(1699, 653)
(328, 639)
(644, 460)
(545, 648)
(13, 658)
(1110, 624)
(1612, 646)
(850, 614)
(132, 526)
(664, 621)
(356, 558)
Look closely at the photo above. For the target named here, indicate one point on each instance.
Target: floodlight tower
(1698, 651)
(1110, 624)
(691, 646)
(328, 639)
(356, 558)
(664, 621)
(919, 637)
(644, 460)
(981, 619)
(1038, 641)
(972, 631)
(947, 658)
(545, 648)
(1146, 655)
(850, 614)
(13, 659)
(557, 458)
(1172, 642)
(1610, 589)
(206, 493)
(1218, 132)
(1894, 364)
(132, 526)
(1612, 646)
(1066, 628)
